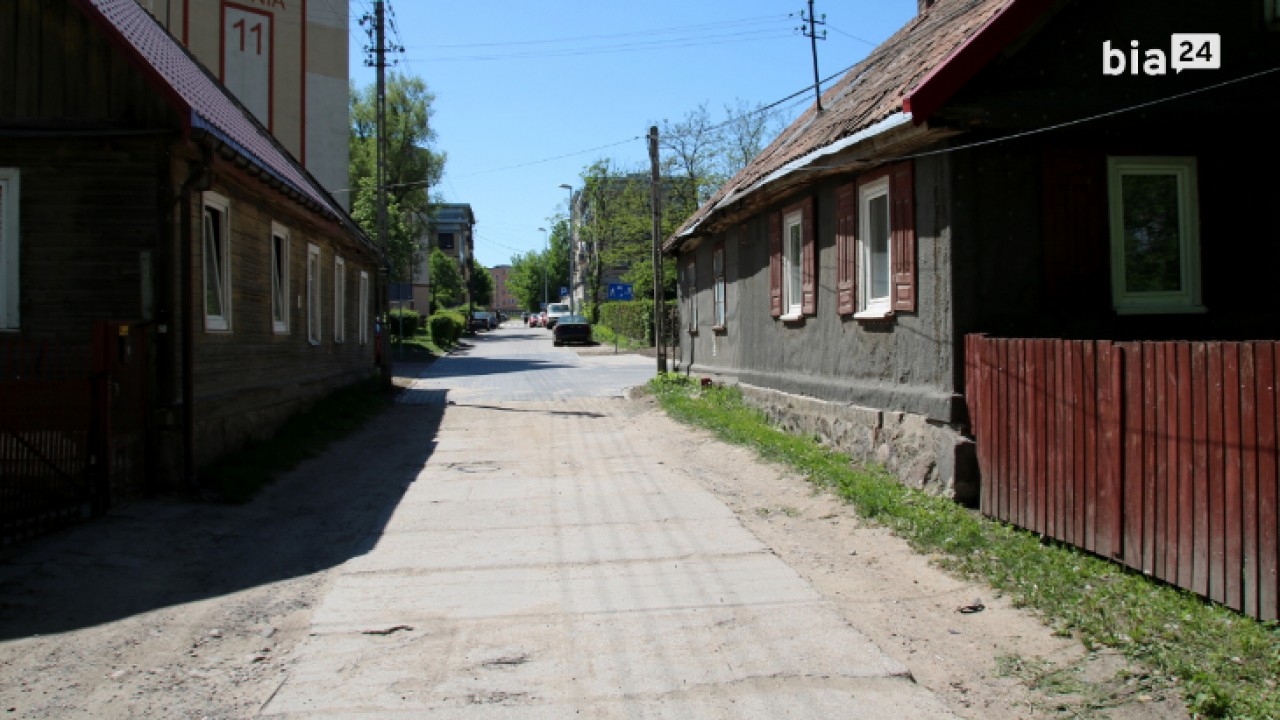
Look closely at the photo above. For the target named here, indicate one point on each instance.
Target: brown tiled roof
(209, 107)
(870, 93)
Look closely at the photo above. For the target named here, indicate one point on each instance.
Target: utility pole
(655, 201)
(812, 33)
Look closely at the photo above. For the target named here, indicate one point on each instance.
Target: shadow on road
(471, 366)
(568, 413)
(159, 553)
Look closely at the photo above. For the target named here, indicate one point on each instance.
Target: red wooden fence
(1160, 455)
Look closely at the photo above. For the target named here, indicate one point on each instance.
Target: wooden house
(158, 236)
(1018, 257)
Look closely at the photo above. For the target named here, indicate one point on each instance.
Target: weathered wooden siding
(1160, 455)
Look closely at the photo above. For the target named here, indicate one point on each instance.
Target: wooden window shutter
(846, 249)
(808, 260)
(775, 264)
(902, 229)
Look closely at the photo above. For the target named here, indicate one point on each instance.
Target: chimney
(922, 5)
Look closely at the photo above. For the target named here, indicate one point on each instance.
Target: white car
(555, 311)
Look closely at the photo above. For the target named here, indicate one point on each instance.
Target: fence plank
(1089, 477)
(1268, 481)
(1249, 479)
(1184, 463)
(1217, 481)
(1233, 514)
(1135, 461)
(1200, 470)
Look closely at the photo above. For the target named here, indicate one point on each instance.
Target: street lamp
(571, 245)
(546, 257)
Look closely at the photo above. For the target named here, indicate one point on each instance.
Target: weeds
(1226, 664)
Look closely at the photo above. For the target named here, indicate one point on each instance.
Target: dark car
(571, 328)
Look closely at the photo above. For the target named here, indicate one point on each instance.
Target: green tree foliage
(446, 280)
(525, 280)
(412, 166)
(482, 284)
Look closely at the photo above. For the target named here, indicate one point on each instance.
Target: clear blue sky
(528, 94)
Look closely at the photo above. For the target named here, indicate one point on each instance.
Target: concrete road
(547, 563)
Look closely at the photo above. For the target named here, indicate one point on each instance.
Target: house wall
(251, 378)
(883, 390)
(1031, 214)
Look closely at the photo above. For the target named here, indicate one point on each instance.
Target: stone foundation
(923, 454)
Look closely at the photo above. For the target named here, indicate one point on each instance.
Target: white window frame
(339, 300)
(1187, 299)
(870, 306)
(314, 326)
(793, 265)
(719, 291)
(10, 234)
(220, 321)
(279, 278)
(364, 308)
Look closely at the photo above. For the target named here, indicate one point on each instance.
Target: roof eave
(958, 68)
(877, 143)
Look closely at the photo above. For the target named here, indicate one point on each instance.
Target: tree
(412, 166)
(691, 148)
(482, 284)
(446, 280)
(744, 134)
(538, 269)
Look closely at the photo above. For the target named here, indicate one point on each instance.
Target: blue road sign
(619, 291)
(564, 291)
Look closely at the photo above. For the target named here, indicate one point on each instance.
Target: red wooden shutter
(902, 229)
(775, 265)
(808, 259)
(846, 249)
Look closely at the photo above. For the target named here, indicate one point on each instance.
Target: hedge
(403, 323)
(446, 327)
(634, 319)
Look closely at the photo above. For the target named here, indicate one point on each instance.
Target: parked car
(555, 311)
(571, 328)
(478, 322)
(534, 320)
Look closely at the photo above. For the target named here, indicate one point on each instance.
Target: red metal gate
(72, 428)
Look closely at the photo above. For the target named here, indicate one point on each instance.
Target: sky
(530, 93)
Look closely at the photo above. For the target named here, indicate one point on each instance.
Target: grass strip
(1226, 664)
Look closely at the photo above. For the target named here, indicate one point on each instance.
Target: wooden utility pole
(655, 200)
(814, 37)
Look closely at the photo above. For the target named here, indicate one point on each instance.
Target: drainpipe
(199, 179)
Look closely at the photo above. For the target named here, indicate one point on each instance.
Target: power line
(610, 36)
(667, 44)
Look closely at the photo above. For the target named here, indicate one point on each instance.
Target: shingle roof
(209, 106)
(865, 102)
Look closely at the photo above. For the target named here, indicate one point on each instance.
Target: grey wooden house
(1022, 256)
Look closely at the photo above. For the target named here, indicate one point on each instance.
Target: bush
(403, 323)
(634, 319)
(446, 327)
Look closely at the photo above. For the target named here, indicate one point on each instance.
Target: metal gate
(72, 428)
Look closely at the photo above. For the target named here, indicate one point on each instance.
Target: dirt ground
(181, 609)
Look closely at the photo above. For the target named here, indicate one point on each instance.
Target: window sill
(693, 331)
(1161, 310)
(874, 315)
(719, 329)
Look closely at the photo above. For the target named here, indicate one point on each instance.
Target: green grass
(239, 476)
(1225, 664)
(418, 348)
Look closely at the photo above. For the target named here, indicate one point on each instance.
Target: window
(876, 244)
(873, 251)
(313, 294)
(691, 294)
(217, 262)
(717, 265)
(9, 319)
(793, 262)
(279, 279)
(1155, 245)
(364, 308)
(446, 241)
(339, 300)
